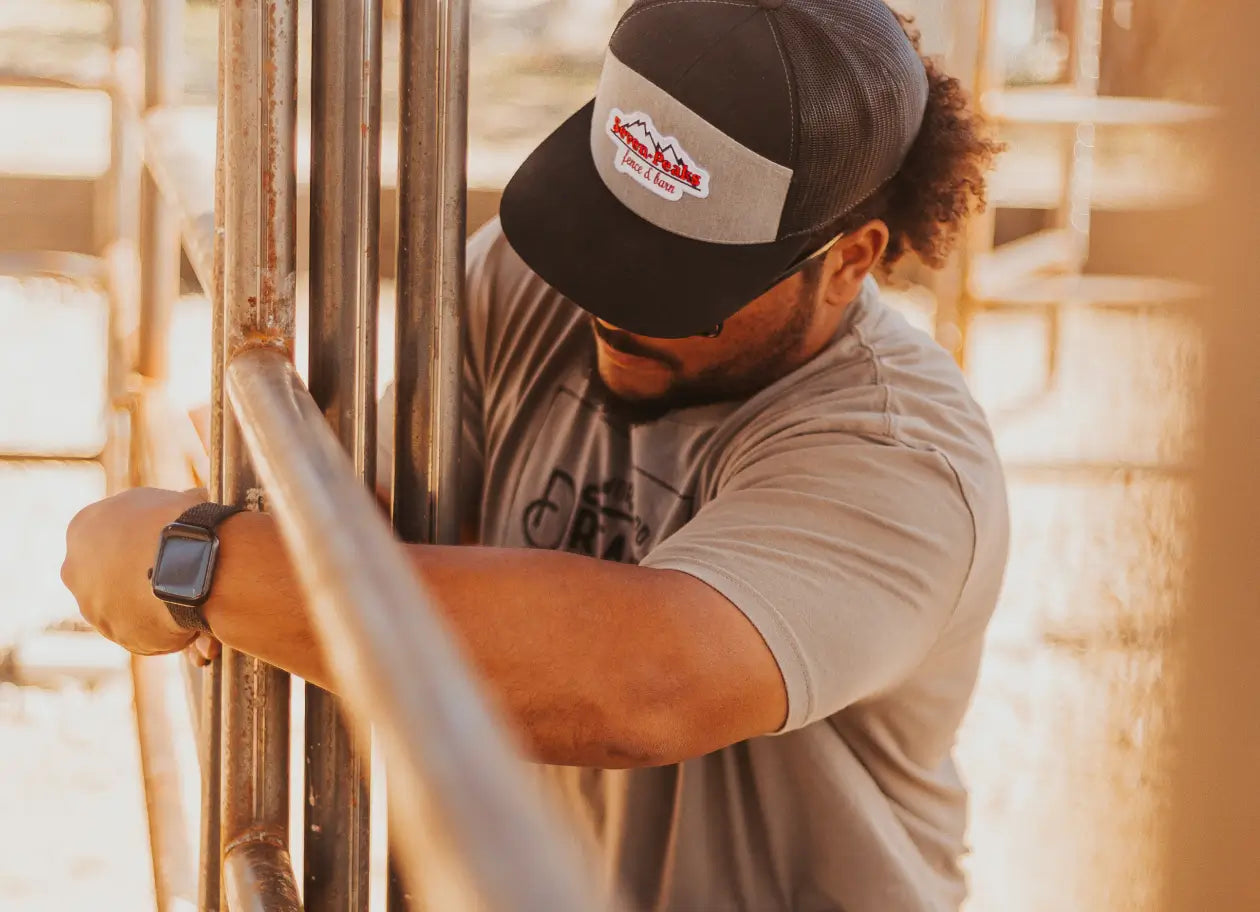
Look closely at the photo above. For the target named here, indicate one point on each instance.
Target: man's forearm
(599, 663)
(256, 604)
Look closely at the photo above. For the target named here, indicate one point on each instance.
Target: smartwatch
(183, 569)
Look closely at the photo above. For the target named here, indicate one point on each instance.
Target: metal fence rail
(259, 270)
(448, 761)
(345, 280)
(466, 819)
(172, 162)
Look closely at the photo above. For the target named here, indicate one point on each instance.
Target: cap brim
(568, 227)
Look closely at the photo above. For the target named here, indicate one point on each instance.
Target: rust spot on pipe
(255, 835)
(255, 338)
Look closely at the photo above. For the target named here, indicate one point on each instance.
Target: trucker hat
(723, 137)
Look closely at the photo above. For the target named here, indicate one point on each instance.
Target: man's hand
(110, 548)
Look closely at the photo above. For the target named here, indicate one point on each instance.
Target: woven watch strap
(207, 515)
(188, 617)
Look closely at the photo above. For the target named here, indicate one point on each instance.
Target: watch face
(181, 572)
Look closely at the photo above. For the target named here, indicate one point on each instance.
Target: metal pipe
(177, 165)
(345, 267)
(19, 456)
(273, 321)
(122, 206)
(258, 874)
(1079, 153)
(431, 219)
(210, 690)
(159, 225)
(121, 233)
(260, 214)
(210, 757)
(345, 220)
(448, 760)
(173, 879)
(432, 199)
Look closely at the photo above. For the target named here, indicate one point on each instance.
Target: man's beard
(737, 379)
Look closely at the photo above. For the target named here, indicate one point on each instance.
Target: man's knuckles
(109, 545)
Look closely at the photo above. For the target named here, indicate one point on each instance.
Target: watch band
(208, 515)
(188, 617)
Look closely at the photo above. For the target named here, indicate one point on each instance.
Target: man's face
(760, 343)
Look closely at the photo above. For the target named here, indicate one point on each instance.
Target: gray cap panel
(674, 169)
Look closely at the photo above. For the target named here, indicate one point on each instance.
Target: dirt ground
(1056, 748)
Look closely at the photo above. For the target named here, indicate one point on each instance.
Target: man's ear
(853, 258)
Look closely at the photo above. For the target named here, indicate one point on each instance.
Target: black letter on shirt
(582, 534)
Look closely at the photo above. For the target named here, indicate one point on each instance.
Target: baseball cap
(724, 136)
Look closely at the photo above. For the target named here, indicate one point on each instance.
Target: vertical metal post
(1078, 177)
(432, 199)
(122, 210)
(173, 880)
(260, 214)
(210, 715)
(159, 227)
(121, 231)
(345, 268)
(431, 216)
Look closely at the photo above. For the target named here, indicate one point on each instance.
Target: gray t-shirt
(854, 510)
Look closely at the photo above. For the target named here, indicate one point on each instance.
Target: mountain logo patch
(657, 162)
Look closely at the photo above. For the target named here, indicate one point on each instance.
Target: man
(741, 528)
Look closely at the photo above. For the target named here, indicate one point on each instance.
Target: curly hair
(942, 180)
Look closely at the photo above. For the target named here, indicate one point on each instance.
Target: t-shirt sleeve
(847, 555)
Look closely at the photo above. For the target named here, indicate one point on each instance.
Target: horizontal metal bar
(1094, 291)
(397, 666)
(1008, 264)
(177, 162)
(51, 658)
(92, 72)
(80, 268)
(1069, 107)
(1069, 469)
(19, 456)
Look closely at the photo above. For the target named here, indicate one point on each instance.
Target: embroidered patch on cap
(657, 162)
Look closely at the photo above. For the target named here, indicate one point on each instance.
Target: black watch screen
(185, 563)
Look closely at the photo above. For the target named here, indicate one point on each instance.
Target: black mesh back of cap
(859, 90)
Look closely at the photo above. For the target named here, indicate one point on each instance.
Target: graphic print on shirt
(582, 492)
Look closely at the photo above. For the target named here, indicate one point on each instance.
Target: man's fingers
(203, 650)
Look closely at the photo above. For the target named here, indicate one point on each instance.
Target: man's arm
(600, 664)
